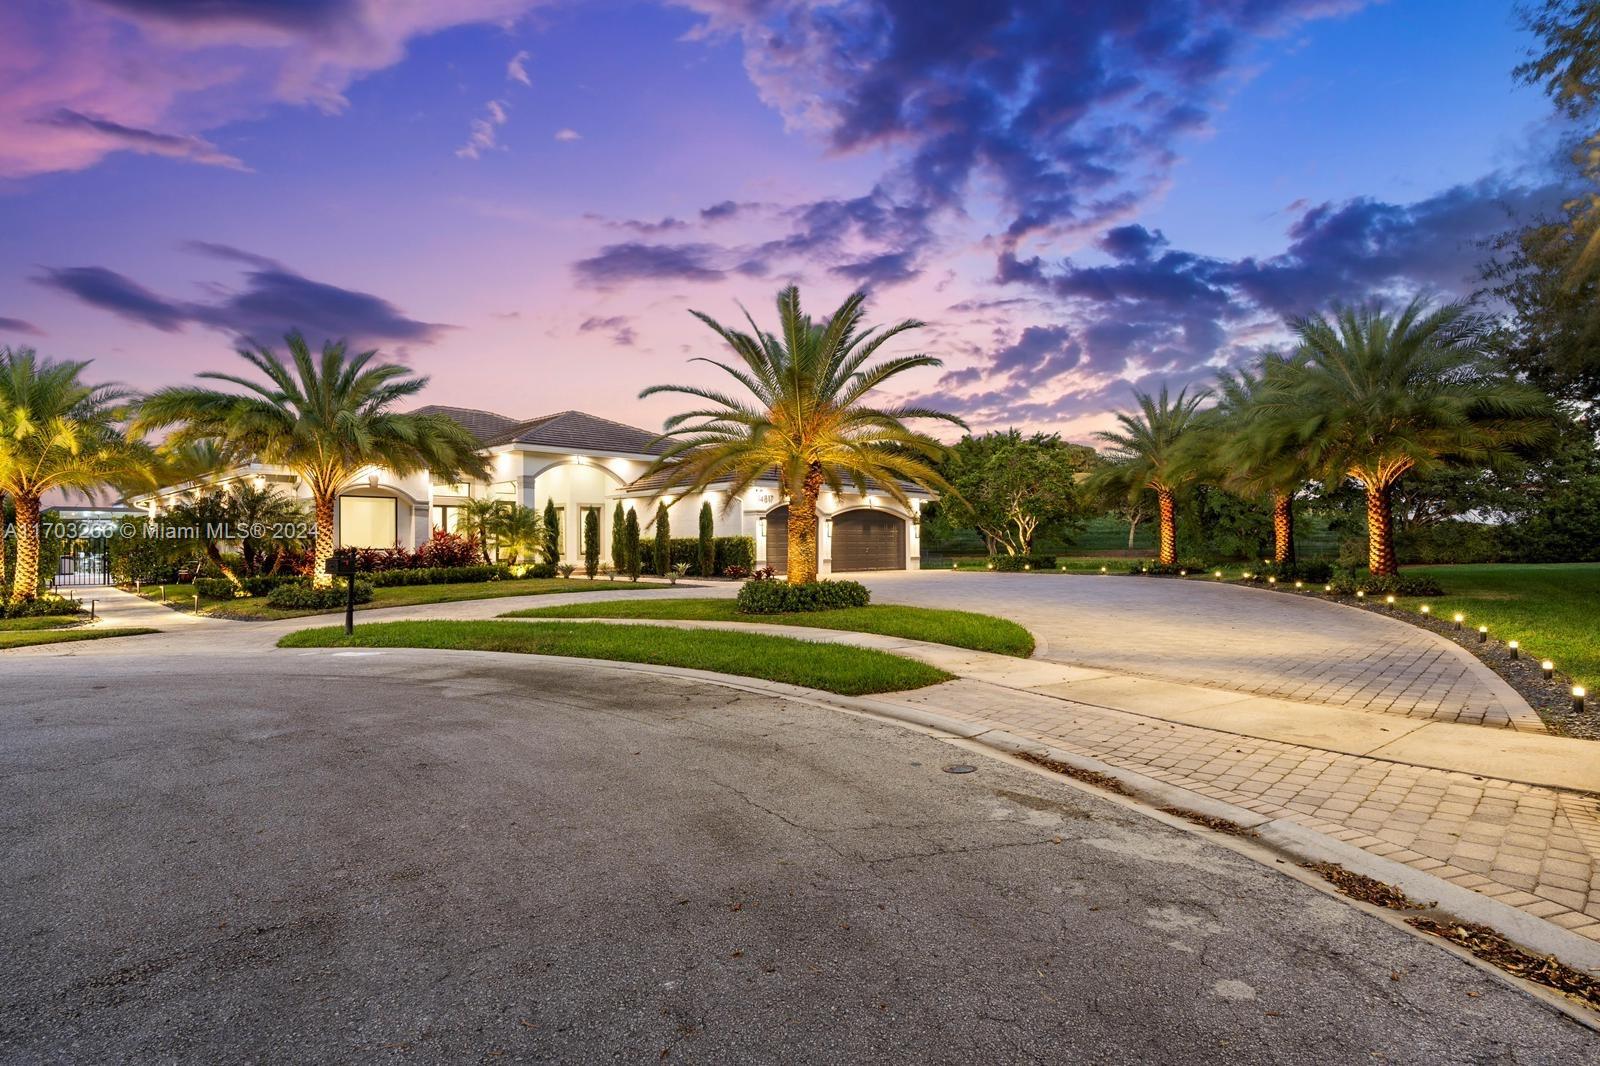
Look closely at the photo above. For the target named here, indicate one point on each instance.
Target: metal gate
(86, 561)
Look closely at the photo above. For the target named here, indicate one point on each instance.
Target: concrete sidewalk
(115, 608)
(1510, 815)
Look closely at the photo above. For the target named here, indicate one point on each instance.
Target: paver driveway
(1244, 640)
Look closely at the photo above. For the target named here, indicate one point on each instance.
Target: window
(447, 517)
(367, 522)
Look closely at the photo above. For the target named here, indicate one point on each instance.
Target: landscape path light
(1483, 634)
(1389, 600)
(1426, 609)
(1577, 699)
(1361, 594)
(1514, 648)
(1548, 668)
(1459, 619)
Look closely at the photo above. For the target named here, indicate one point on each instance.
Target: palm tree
(267, 520)
(482, 518)
(1148, 454)
(806, 419)
(324, 418)
(518, 532)
(1376, 395)
(1251, 446)
(57, 432)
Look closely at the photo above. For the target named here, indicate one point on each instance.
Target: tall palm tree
(57, 432)
(806, 418)
(1148, 453)
(1251, 445)
(1376, 395)
(323, 417)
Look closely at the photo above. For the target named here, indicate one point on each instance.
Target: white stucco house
(585, 463)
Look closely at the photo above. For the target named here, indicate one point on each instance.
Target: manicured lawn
(1551, 609)
(256, 607)
(830, 667)
(43, 621)
(960, 629)
(24, 638)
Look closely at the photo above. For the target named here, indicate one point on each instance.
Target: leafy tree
(806, 419)
(1376, 395)
(661, 555)
(619, 539)
(1012, 489)
(323, 418)
(552, 534)
(708, 541)
(632, 560)
(591, 544)
(57, 432)
(1148, 454)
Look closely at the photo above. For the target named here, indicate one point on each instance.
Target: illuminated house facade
(585, 463)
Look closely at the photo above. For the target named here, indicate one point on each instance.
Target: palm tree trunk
(214, 554)
(5, 586)
(324, 542)
(1169, 528)
(1282, 528)
(25, 585)
(803, 528)
(1380, 532)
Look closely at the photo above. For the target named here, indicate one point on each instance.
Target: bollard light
(1299, 584)
(1105, 570)
(1271, 580)
(1183, 573)
(1577, 699)
(1327, 588)
(1426, 609)
(1027, 566)
(1483, 634)
(1514, 648)
(1548, 668)
(196, 603)
(1389, 600)
(991, 566)
(1361, 594)
(1459, 619)
(955, 566)
(163, 594)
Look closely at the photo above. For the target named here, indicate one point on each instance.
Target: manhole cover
(960, 768)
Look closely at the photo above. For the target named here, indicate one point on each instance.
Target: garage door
(778, 539)
(868, 540)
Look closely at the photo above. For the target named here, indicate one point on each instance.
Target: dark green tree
(708, 541)
(591, 543)
(1013, 489)
(632, 560)
(661, 552)
(552, 534)
(619, 539)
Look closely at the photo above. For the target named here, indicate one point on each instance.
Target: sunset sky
(523, 200)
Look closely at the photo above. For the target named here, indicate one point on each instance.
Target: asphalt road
(432, 857)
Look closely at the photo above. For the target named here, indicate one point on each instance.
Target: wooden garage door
(868, 540)
(778, 539)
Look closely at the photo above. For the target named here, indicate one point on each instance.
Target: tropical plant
(661, 553)
(58, 432)
(591, 543)
(619, 539)
(807, 419)
(1148, 454)
(1376, 395)
(480, 518)
(324, 418)
(518, 532)
(552, 533)
(708, 541)
(204, 517)
(1249, 444)
(269, 522)
(631, 561)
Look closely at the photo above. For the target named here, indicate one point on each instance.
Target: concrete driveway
(420, 856)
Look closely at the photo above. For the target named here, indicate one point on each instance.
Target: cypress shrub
(619, 539)
(708, 543)
(662, 555)
(591, 544)
(631, 557)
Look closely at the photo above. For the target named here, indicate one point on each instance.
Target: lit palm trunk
(26, 584)
(1168, 551)
(1380, 532)
(1282, 528)
(802, 563)
(324, 544)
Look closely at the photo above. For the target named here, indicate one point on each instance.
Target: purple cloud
(18, 325)
(634, 261)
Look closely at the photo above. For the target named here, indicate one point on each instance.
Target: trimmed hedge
(41, 606)
(220, 588)
(780, 597)
(444, 575)
(1392, 585)
(302, 597)
(727, 551)
(1015, 564)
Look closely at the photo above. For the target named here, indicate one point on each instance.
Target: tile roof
(659, 481)
(573, 430)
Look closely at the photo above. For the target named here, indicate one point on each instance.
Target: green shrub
(41, 606)
(1451, 541)
(591, 544)
(661, 553)
(619, 539)
(1347, 584)
(442, 575)
(631, 555)
(779, 597)
(1011, 564)
(215, 588)
(304, 597)
(706, 548)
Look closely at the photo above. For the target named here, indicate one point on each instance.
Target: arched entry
(778, 538)
(868, 540)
